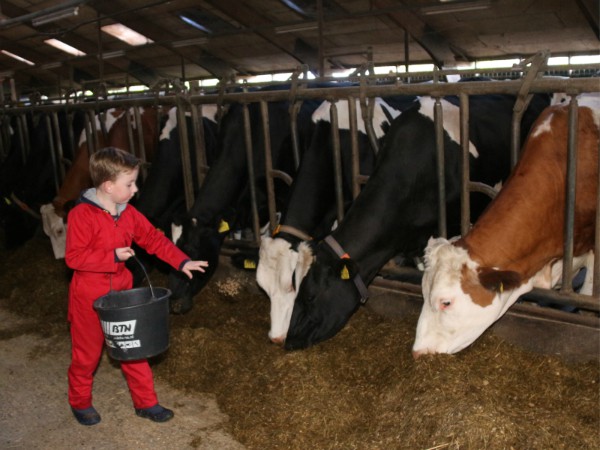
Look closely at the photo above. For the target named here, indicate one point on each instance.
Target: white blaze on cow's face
(452, 319)
(279, 272)
(55, 229)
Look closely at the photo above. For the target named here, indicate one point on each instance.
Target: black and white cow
(162, 196)
(217, 204)
(397, 211)
(311, 209)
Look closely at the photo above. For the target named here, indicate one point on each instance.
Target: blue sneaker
(155, 413)
(87, 416)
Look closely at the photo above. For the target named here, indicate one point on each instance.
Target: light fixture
(54, 65)
(194, 23)
(64, 47)
(115, 54)
(304, 26)
(54, 16)
(17, 57)
(126, 34)
(455, 7)
(189, 42)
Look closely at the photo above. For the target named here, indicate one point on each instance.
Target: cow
(162, 197)
(33, 183)
(215, 208)
(517, 244)
(311, 210)
(77, 178)
(397, 210)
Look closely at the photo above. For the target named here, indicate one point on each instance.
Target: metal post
(139, 124)
(465, 203)
(185, 154)
(439, 140)
(250, 164)
(199, 140)
(52, 152)
(570, 196)
(352, 117)
(264, 111)
(337, 161)
(59, 147)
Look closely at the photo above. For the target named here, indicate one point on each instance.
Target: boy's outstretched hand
(193, 265)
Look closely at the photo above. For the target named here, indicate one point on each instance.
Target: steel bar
(337, 161)
(465, 203)
(352, 118)
(440, 160)
(264, 111)
(185, 155)
(250, 168)
(58, 147)
(52, 150)
(569, 213)
(139, 126)
(511, 87)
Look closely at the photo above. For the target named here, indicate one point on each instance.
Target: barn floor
(360, 390)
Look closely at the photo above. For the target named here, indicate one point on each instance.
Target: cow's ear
(498, 280)
(346, 268)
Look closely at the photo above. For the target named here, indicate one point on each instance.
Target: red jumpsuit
(92, 237)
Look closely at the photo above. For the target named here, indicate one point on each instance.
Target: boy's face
(123, 188)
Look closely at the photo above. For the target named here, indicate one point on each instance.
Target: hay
(359, 390)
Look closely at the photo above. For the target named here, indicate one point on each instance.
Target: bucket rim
(154, 299)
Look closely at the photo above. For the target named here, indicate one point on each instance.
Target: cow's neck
(522, 231)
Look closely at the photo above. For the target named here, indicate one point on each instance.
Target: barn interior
(191, 40)
(531, 381)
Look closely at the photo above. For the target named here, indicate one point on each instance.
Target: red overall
(92, 237)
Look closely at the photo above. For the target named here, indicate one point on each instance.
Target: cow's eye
(445, 303)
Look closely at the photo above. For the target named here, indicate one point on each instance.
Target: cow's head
(280, 271)
(199, 242)
(326, 300)
(55, 228)
(461, 299)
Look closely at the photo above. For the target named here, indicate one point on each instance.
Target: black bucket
(135, 322)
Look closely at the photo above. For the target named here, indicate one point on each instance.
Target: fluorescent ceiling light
(189, 42)
(115, 54)
(194, 23)
(456, 7)
(17, 57)
(54, 16)
(304, 26)
(126, 34)
(64, 47)
(54, 65)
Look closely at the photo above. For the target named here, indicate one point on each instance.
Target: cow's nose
(418, 353)
(278, 341)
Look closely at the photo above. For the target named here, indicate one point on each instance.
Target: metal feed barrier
(394, 292)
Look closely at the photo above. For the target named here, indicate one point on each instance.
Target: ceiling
(264, 36)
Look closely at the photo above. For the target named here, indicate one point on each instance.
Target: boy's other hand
(124, 253)
(193, 265)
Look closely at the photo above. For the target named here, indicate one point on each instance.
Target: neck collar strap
(358, 282)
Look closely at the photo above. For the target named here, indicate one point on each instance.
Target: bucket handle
(146, 275)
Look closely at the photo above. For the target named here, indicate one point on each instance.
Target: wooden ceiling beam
(435, 44)
(286, 43)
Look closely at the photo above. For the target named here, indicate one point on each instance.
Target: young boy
(100, 231)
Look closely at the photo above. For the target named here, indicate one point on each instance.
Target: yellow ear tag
(223, 227)
(249, 264)
(345, 275)
(501, 287)
(7, 201)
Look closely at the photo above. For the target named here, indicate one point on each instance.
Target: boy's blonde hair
(107, 163)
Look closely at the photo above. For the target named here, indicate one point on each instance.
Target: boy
(100, 231)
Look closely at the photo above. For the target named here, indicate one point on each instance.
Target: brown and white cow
(517, 244)
(78, 178)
